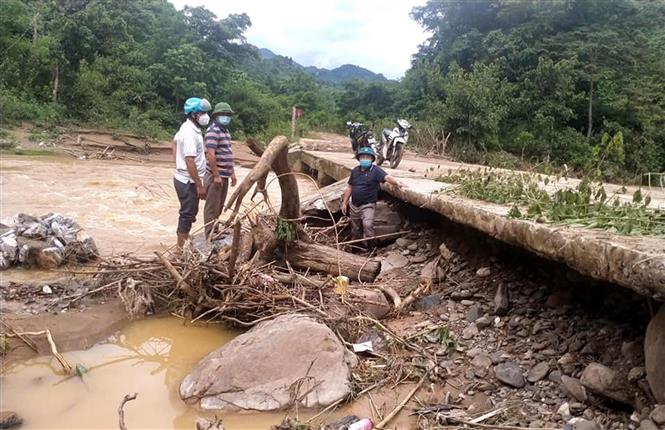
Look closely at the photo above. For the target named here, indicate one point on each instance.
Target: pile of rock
(45, 242)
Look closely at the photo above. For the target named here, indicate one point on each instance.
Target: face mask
(203, 119)
(365, 163)
(224, 120)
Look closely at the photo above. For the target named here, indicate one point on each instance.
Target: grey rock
(501, 300)
(555, 376)
(482, 360)
(467, 302)
(371, 302)
(604, 381)
(648, 425)
(483, 322)
(420, 258)
(654, 355)
(281, 351)
(636, 373)
(658, 415)
(473, 313)
(632, 352)
(392, 261)
(427, 302)
(483, 272)
(497, 357)
(582, 424)
(577, 408)
(538, 372)
(403, 242)
(429, 272)
(574, 388)
(470, 332)
(510, 373)
(412, 247)
(461, 294)
(564, 411)
(445, 253)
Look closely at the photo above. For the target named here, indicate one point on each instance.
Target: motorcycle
(393, 142)
(360, 136)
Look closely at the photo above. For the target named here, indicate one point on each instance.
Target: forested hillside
(131, 64)
(580, 82)
(546, 79)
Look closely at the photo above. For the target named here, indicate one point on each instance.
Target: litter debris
(45, 242)
(363, 347)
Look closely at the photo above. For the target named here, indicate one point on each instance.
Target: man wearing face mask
(220, 164)
(190, 164)
(363, 189)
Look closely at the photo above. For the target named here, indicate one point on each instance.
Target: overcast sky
(376, 34)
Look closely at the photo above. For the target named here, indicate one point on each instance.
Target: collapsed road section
(635, 262)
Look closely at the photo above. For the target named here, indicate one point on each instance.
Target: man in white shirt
(190, 162)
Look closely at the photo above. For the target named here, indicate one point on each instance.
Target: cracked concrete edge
(639, 266)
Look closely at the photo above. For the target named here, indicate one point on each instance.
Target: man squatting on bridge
(363, 189)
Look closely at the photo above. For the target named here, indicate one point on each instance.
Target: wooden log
(321, 258)
(260, 186)
(265, 241)
(288, 185)
(278, 145)
(234, 249)
(246, 247)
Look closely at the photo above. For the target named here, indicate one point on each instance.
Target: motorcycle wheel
(396, 156)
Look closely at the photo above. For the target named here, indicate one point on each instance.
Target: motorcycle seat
(386, 133)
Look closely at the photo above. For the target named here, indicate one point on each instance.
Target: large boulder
(654, 355)
(271, 366)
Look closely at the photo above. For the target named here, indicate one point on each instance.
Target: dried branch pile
(267, 269)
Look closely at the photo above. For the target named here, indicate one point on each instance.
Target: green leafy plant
(286, 230)
(587, 205)
(444, 337)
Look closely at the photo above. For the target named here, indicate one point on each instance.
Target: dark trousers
(189, 205)
(215, 196)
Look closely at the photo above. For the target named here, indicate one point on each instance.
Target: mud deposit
(149, 357)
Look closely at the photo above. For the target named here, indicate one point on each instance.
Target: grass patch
(26, 152)
(587, 205)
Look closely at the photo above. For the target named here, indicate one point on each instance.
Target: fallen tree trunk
(275, 156)
(321, 258)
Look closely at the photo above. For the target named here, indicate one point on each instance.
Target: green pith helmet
(366, 150)
(222, 107)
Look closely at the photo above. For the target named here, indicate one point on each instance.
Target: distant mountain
(338, 75)
(266, 54)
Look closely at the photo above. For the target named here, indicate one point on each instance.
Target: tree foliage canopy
(555, 81)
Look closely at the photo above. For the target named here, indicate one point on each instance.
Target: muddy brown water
(149, 356)
(127, 207)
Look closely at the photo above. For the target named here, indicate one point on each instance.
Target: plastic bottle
(364, 424)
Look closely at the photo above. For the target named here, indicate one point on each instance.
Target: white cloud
(376, 34)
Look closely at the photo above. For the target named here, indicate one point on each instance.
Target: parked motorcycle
(392, 143)
(360, 136)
